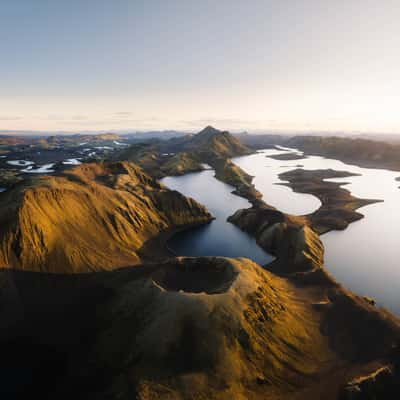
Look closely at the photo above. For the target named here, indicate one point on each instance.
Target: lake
(366, 256)
(219, 237)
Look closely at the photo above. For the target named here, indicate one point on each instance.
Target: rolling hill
(92, 217)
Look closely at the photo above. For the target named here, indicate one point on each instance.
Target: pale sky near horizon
(158, 64)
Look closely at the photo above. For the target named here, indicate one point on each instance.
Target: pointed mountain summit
(185, 154)
(208, 131)
(216, 142)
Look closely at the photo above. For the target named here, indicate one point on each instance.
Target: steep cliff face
(93, 217)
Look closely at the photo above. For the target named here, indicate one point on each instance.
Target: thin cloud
(79, 117)
(230, 123)
(123, 114)
(121, 122)
(63, 117)
(216, 121)
(10, 117)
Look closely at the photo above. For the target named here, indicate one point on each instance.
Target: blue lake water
(218, 238)
(366, 256)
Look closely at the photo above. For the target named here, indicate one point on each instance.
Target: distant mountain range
(161, 134)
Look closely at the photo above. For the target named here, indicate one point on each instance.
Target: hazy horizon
(46, 133)
(304, 66)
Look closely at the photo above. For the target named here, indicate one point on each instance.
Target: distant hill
(363, 152)
(218, 143)
(261, 141)
(13, 140)
(162, 135)
(78, 138)
(103, 136)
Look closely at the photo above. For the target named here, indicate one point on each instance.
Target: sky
(168, 64)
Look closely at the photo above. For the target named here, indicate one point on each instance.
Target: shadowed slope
(188, 328)
(121, 334)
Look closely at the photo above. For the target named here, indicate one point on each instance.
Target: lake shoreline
(300, 262)
(338, 205)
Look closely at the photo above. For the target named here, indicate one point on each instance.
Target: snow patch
(20, 163)
(72, 161)
(44, 169)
